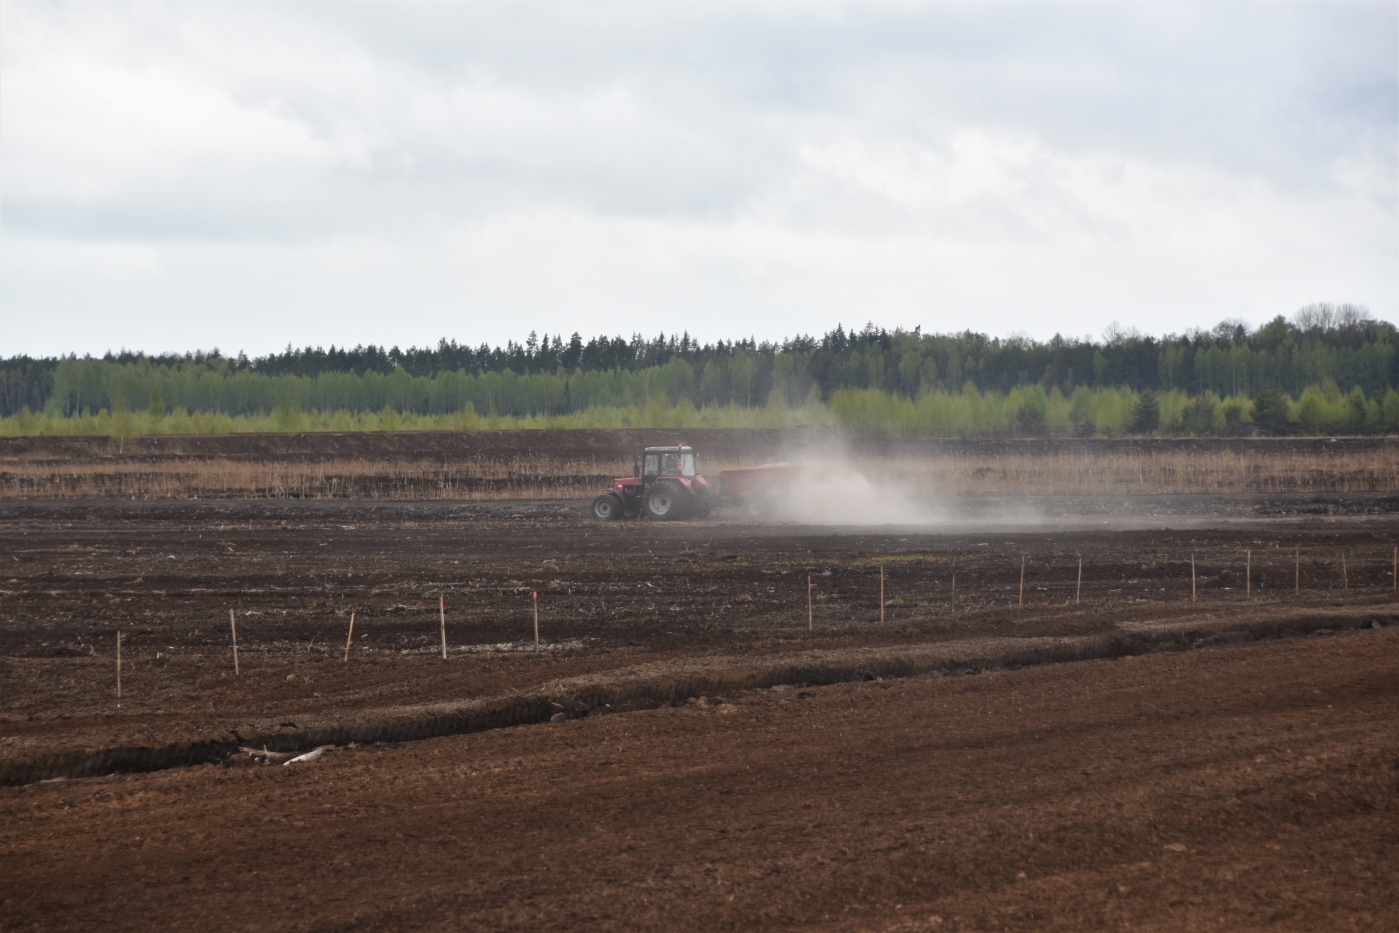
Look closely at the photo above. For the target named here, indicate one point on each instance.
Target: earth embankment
(570, 464)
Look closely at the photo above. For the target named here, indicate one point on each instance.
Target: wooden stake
(1248, 574)
(1394, 576)
(1345, 577)
(535, 596)
(954, 579)
(119, 664)
(1078, 591)
(1192, 576)
(348, 636)
(1297, 575)
(1022, 581)
(233, 626)
(442, 616)
(881, 594)
(810, 613)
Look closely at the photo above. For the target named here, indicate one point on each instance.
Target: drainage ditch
(645, 688)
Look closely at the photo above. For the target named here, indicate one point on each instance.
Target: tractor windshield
(670, 463)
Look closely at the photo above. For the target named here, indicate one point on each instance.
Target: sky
(182, 176)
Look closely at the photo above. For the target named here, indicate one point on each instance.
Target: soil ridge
(664, 683)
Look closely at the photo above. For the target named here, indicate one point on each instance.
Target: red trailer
(758, 488)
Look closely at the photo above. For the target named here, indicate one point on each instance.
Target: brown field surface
(689, 749)
(569, 464)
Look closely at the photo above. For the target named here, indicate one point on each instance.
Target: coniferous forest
(1327, 369)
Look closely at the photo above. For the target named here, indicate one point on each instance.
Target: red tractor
(666, 486)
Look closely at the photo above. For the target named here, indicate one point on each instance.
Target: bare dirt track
(1229, 763)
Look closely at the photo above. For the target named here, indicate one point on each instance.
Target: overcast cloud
(175, 176)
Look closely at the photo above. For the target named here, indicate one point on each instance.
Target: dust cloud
(830, 491)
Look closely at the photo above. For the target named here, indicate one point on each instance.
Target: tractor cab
(667, 461)
(665, 484)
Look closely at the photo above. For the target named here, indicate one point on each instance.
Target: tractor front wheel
(663, 502)
(607, 507)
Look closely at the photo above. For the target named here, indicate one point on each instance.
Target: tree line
(1335, 345)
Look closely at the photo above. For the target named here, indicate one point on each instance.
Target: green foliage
(1270, 410)
(654, 413)
(1146, 414)
(1201, 415)
(1234, 411)
(1031, 419)
(123, 422)
(1272, 335)
(1320, 407)
(549, 375)
(287, 415)
(1323, 409)
(23, 424)
(231, 402)
(975, 414)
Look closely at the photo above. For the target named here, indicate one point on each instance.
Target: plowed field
(691, 747)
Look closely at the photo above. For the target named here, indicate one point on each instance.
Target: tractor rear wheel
(663, 502)
(607, 507)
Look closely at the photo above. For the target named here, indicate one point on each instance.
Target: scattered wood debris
(312, 755)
